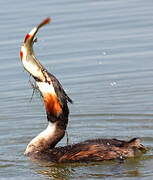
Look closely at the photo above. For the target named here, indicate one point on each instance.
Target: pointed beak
(27, 55)
(29, 38)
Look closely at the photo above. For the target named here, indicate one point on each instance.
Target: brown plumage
(55, 106)
(88, 151)
(95, 150)
(42, 147)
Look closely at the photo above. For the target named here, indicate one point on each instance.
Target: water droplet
(104, 53)
(113, 83)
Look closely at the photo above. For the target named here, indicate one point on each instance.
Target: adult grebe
(55, 100)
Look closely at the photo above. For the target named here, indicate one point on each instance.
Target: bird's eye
(26, 37)
(21, 54)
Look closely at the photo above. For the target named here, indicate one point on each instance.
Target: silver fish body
(27, 55)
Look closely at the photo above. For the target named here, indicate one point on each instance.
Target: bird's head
(29, 40)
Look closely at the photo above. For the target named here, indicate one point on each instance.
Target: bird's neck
(57, 115)
(47, 139)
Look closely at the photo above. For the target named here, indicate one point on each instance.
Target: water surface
(102, 53)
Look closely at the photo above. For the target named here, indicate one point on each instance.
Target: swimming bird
(43, 146)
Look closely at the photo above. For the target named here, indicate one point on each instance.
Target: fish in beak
(53, 94)
(27, 55)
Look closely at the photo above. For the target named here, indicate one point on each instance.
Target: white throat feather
(41, 141)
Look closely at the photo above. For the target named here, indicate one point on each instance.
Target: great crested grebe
(42, 147)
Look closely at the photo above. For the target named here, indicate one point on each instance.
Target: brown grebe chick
(43, 147)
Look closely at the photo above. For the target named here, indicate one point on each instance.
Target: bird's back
(93, 151)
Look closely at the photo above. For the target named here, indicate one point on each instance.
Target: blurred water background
(102, 53)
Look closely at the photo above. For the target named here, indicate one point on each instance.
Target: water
(102, 53)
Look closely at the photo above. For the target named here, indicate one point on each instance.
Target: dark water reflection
(102, 53)
(127, 169)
